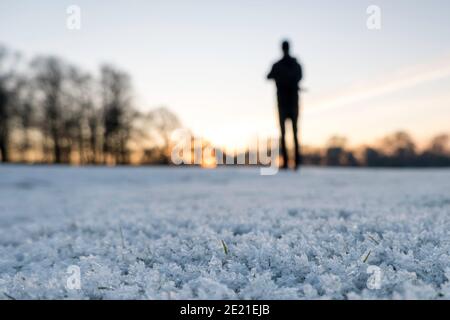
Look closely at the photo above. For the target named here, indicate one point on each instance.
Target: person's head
(285, 47)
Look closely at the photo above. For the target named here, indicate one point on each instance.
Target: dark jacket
(287, 74)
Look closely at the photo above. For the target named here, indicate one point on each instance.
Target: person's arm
(271, 74)
(299, 72)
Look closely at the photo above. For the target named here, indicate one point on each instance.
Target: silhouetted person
(287, 74)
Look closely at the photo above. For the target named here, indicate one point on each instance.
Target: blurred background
(113, 91)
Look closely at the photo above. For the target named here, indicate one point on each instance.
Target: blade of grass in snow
(367, 257)
(225, 248)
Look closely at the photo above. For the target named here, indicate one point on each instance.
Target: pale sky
(207, 60)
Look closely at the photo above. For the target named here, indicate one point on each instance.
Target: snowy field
(156, 233)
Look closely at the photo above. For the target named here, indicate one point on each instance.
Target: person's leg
(295, 115)
(283, 140)
(297, 155)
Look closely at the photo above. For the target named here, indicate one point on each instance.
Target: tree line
(395, 150)
(51, 111)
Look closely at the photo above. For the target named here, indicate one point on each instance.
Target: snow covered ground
(156, 233)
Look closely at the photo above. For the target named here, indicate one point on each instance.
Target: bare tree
(162, 122)
(400, 148)
(399, 144)
(50, 76)
(83, 132)
(335, 151)
(4, 123)
(155, 129)
(8, 99)
(117, 114)
(26, 119)
(440, 144)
